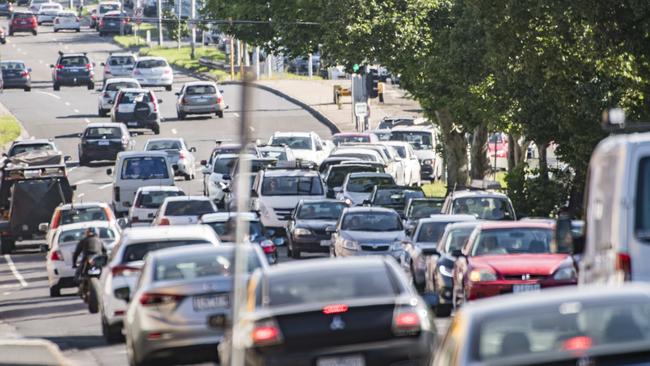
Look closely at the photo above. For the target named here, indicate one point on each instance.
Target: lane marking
(14, 270)
(67, 103)
(76, 110)
(6, 293)
(49, 94)
(10, 285)
(80, 195)
(40, 61)
(174, 131)
(236, 114)
(252, 128)
(73, 168)
(86, 120)
(105, 186)
(83, 181)
(18, 49)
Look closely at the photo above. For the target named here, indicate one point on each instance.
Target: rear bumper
(200, 109)
(164, 81)
(22, 28)
(101, 154)
(67, 26)
(16, 83)
(73, 80)
(177, 340)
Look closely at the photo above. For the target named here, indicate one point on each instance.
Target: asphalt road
(25, 305)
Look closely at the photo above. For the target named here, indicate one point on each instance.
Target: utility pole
(160, 30)
(178, 30)
(122, 18)
(232, 59)
(193, 25)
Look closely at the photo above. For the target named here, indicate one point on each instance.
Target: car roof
(290, 173)
(463, 224)
(119, 80)
(148, 58)
(133, 154)
(315, 265)
(163, 233)
(160, 188)
(446, 218)
(134, 90)
(478, 193)
(84, 225)
(358, 209)
(354, 150)
(489, 225)
(70, 206)
(291, 134)
(225, 216)
(33, 142)
(193, 250)
(104, 124)
(186, 198)
(368, 174)
(192, 83)
(353, 134)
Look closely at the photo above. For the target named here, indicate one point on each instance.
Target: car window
(163, 145)
(19, 149)
(103, 132)
(456, 239)
(422, 209)
(292, 186)
(137, 251)
(121, 85)
(418, 140)
(145, 168)
(105, 8)
(73, 61)
(395, 196)
(77, 234)
(121, 60)
(200, 90)
(150, 64)
(12, 66)
(186, 267)
(371, 221)
(642, 205)
(516, 241)
(337, 140)
(84, 214)
(135, 97)
(293, 142)
(321, 210)
(337, 174)
(366, 184)
(431, 232)
(223, 165)
(360, 156)
(279, 155)
(188, 208)
(226, 229)
(66, 15)
(153, 199)
(484, 208)
(23, 15)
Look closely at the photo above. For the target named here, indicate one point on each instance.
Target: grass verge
(129, 41)
(181, 58)
(9, 129)
(439, 189)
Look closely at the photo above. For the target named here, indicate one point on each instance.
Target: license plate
(210, 302)
(111, 24)
(325, 243)
(23, 22)
(526, 288)
(104, 143)
(132, 123)
(341, 361)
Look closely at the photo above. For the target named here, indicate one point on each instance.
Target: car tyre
(181, 115)
(55, 30)
(7, 246)
(91, 86)
(83, 161)
(35, 32)
(78, 30)
(56, 87)
(55, 291)
(93, 296)
(101, 34)
(219, 114)
(168, 87)
(28, 88)
(102, 112)
(156, 129)
(112, 333)
(188, 177)
(443, 310)
(295, 254)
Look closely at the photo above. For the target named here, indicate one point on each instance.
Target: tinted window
(136, 252)
(73, 61)
(19, 149)
(163, 145)
(23, 15)
(200, 89)
(294, 142)
(12, 66)
(484, 208)
(419, 140)
(431, 232)
(223, 165)
(121, 60)
(292, 186)
(420, 209)
(82, 215)
(186, 267)
(78, 234)
(516, 241)
(121, 85)
(105, 8)
(226, 229)
(104, 132)
(188, 208)
(280, 155)
(401, 151)
(395, 196)
(145, 168)
(337, 174)
(153, 199)
(366, 184)
(457, 238)
(149, 64)
(371, 221)
(321, 210)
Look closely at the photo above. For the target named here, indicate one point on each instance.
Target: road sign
(139, 12)
(360, 109)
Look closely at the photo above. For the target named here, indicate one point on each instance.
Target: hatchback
(199, 97)
(22, 21)
(147, 201)
(67, 20)
(16, 75)
(103, 141)
(178, 153)
(183, 210)
(154, 71)
(113, 22)
(109, 92)
(118, 65)
(47, 12)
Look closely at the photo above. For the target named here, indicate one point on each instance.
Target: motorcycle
(3, 36)
(89, 286)
(270, 245)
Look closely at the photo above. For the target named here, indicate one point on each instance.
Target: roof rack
(482, 185)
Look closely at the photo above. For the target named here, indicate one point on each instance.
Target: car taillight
(268, 246)
(184, 101)
(266, 333)
(624, 264)
(55, 219)
(168, 70)
(406, 321)
(219, 100)
(124, 271)
(101, 23)
(136, 72)
(89, 67)
(335, 309)
(56, 255)
(152, 299)
(59, 67)
(163, 221)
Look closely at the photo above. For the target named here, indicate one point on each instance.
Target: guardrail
(204, 61)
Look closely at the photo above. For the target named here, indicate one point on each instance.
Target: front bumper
(310, 243)
(479, 290)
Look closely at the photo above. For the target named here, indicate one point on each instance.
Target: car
(93, 18)
(503, 257)
(306, 146)
(388, 123)
(73, 69)
(103, 8)
(6, 8)
(135, 169)
(16, 75)
(179, 291)
(276, 193)
(199, 97)
(109, 92)
(58, 261)
(306, 229)
(335, 174)
(153, 71)
(283, 154)
(23, 22)
(352, 152)
(138, 108)
(409, 160)
(424, 140)
(183, 210)
(127, 260)
(439, 265)
(334, 160)
(120, 65)
(35, 5)
(485, 205)
(103, 141)
(353, 311)
(114, 22)
(382, 134)
(497, 151)
(368, 231)
(563, 326)
(215, 174)
(66, 20)
(393, 196)
(353, 137)
(69, 213)
(229, 148)
(147, 201)
(47, 12)
(180, 156)
(420, 208)
(300, 65)
(357, 187)
(25, 146)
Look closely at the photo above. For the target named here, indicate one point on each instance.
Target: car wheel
(78, 30)
(156, 129)
(28, 88)
(56, 87)
(83, 161)
(7, 246)
(91, 86)
(35, 32)
(101, 34)
(112, 333)
(55, 30)
(168, 87)
(102, 112)
(295, 254)
(188, 177)
(181, 115)
(55, 291)
(220, 114)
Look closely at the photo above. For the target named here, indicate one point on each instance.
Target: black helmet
(91, 231)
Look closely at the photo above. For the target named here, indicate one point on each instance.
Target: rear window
(395, 196)
(292, 186)
(82, 215)
(73, 61)
(19, 149)
(336, 175)
(294, 142)
(23, 15)
(364, 157)
(135, 97)
(137, 251)
(223, 165)
(105, 8)
(12, 66)
(280, 155)
(186, 267)
(149, 64)
(200, 89)
(121, 85)
(516, 241)
(104, 132)
(321, 210)
(188, 208)
(330, 286)
(419, 140)
(422, 209)
(367, 184)
(456, 239)
(145, 168)
(163, 145)
(153, 199)
(121, 60)
(337, 140)
(78, 234)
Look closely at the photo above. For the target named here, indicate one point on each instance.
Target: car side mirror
(204, 162)
(160, 101)
(102, 64)
(122, 222)
(51, 66)
(564, 236)
(109, 171)
(457, 253)
(73, 187)
(43, 227)
(123, 293)
(227, 107)
(177, 94)
(330, 229)
(221, 91)
(192, 149)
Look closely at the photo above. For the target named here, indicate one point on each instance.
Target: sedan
(16, 75)
(103, 141)
(393, 196)
(306, 229)
(154, 71)
(199, 97)
(113, 22)
(109, 92)
(183, 210)
(47, 12)
(66, 20)
(147, 201)
(510, 257)
(6, 8)
(178, 154)
(177, 309)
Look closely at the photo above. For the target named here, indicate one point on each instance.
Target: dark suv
(73, 69)
(23, 21)
(138, 108)
(103, 141)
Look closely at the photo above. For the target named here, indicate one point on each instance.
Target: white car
(183, 210)
(62, 244)
(357, 187)
(283, 154)
(154, 71)
(47, 12)
(307, 146)
(358, 153)
(409, 161)
(109, 91)
(126, 262)
(66, 20)
(218, 176)
(147, 201)
(179, 155)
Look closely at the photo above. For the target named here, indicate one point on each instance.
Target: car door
(180, 95)
(414, 165)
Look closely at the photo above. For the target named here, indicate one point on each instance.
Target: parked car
(47, 12)
(485, 205)
(109, 92)
(306, 229)
(103, 141)
(66, 20)
(73, 69)
(113, 22)
(153, 71)
(199, 97)
(119, 65)
(16, 75)
(178, 153)
(183, 210)
(23, 22)
(147, 201)
(138, 108)
(306, 146)
(357, 187)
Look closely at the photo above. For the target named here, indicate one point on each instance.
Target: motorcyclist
(87, 247)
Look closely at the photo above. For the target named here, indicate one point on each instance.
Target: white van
(135, 169)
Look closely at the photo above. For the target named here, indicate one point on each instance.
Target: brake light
(101, 23)
(268, 246)
(59, 67)
(266, 333)
(624, 264)
(335, 309)
(168, 70)
(183, 101)
(406, 321)
(56, 255)
(219, 100)
(580, 343)
(124, 271)
(148, 299)
(163, 221)
(24, 74)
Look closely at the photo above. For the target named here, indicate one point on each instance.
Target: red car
(23, 21)
(506, 257)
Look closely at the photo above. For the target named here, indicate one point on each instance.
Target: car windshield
(321, 210)
(188, 208)
(293, 142)
(19, 149)
(279, 155)
(359, 156)
(419, 140)
(371, 221)
(337, 174)
(163, 145)
(84, 214)
(150, 167)
(121, 85)
(150, 64)
(105, 8)
(366, 184)
(395, 197)
(224, 165)
(73, 61)
(76, 235)
(200, 90)
(189, 267)
(104, 133)
(456, 239)
(484, 208)
(431, 232)
(135, 97)
(341, 139)
(121, 60)
(292, 186)
(12, 66)
(563, 330)
(424, 208)
(330, 286)
(516, 241)
(226, 229)
(137, 251)
(153, 199)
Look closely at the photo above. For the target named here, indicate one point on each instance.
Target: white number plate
(104, 143)
(341, 361)
(325, 243)
(526, 288)
(132, 123)
(210, 302)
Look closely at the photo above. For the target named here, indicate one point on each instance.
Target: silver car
(118, 65)
(153, 71)
(199, 97)
(109, 91)
(182, 299)
(178, 154)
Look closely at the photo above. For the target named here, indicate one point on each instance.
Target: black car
(352, 311)
(393, 196)
(16, 75)
(419, 208)
(73, 69)
(103, 141)
(334, 160)
(390, 122)
(335, 174)
(306, 227)
(112, 23)
(6, 8)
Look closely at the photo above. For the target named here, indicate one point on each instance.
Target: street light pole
(193, 25)
(178, 30)
(160, 30)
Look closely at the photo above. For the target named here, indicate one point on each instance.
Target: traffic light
(372, 83)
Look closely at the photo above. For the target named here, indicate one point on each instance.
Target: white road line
(252, 128)
(10, 285)
(86, 120)
(40, 61)
(76, 111)
(236, 114)
(18, 49)
(174, 131)
(14, 270)
(73, 168)
(67, 103)
(6, 293)
(49, 94)
(83, 181)
(80, 195)
(105, 186)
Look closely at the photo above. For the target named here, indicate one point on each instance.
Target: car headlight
(565, 273)
(479, 275)
(301, 232)
(397, 246)
(445, 271)
(350, 244)
(427, 162)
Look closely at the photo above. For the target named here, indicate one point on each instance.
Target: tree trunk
(455, 151)
(480, 160)
(516, 151)
(543, 161)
